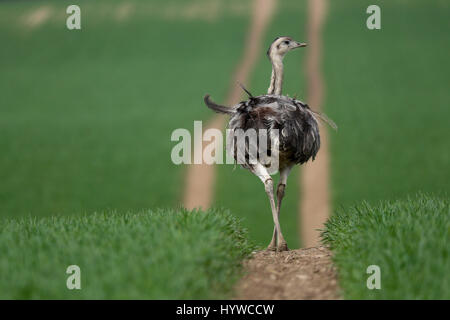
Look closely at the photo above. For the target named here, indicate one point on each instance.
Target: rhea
(292, 131)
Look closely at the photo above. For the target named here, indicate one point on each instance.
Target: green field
(85, 124)
(86, 116)
(388, 92)
(407, 239)
(142, 255)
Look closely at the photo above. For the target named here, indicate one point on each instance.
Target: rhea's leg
(284, 173)
(273, 243)
(264, 176)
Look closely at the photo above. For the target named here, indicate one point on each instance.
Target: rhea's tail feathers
(324, 118)
(217, 107)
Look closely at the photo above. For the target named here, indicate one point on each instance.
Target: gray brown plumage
(298, 138)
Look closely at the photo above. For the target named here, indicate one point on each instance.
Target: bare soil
(303, 274)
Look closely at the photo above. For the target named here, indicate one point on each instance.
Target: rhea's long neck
(276, 80)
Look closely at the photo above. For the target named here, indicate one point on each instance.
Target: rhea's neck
(276, 80)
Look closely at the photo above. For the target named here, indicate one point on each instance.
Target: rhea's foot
(282, 247)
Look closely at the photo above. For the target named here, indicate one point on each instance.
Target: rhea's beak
(300, 44)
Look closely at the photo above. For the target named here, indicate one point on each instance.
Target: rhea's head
(282, 45)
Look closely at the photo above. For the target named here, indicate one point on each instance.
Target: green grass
(143, 255)
(407, 239)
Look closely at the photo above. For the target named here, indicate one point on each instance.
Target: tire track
(37, 17)
(201, 178)
(314, 206)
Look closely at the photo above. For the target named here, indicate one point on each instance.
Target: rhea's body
(297, 137)
(291, 130)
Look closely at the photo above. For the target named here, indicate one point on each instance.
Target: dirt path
(200, 179)
(295, 275)
(314, 206)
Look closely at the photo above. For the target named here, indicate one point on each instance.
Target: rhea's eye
(286, 42)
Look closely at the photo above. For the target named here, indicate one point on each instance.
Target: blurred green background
(86, 116)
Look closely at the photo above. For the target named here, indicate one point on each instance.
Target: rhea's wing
(324, 118)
